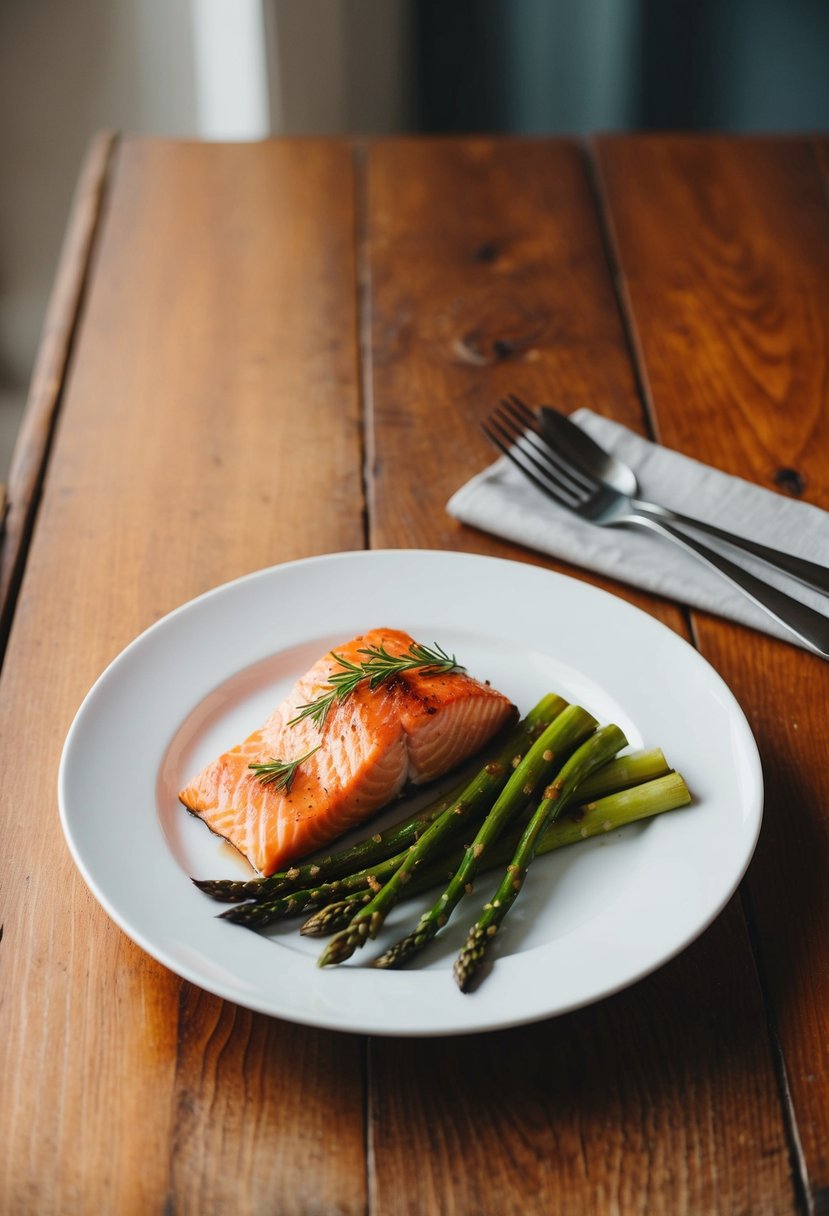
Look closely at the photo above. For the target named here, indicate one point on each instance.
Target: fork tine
(507, 449)
(544, 469)
(554, 464)
(522, 416)
(529, 417)
(523, 461)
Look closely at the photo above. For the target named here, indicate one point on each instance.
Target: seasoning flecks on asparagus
(380, 845)
(474, 859)
(623, 771)
(257, 914)
(595, 751)
(333, 917)
(263, 912)
(366, 882)
(318, 869)
(594, 818)
(566, 731)
(472, 799)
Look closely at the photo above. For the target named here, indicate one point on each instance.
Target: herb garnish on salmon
(377, 667)
(418, 720)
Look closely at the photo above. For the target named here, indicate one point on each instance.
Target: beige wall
(340, 65)
(71, 67)
(67, 69)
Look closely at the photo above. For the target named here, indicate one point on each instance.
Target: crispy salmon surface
(411, 728)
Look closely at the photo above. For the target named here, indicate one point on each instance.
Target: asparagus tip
(228, 890)
(328, 919)
(225, 890)
(343, 944)
(241, 914)
(397, 954)
(468, 963)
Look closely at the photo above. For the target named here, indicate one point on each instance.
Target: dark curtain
(575, 65)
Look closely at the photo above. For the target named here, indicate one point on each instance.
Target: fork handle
(811, 627)
(810, 573)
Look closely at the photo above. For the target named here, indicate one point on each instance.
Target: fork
(521, 441)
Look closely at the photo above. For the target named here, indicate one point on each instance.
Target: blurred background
(246, 69)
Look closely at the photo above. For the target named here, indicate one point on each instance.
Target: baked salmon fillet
(411, 728)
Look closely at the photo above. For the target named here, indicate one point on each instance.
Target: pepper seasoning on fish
(412, 728)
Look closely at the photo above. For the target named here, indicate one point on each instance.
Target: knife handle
(809, 573)
(811, 627)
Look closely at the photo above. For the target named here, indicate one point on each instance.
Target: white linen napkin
(501, 500)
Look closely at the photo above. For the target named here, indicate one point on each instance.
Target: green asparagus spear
(618, 774)
(433, 921)
(334, 917)
(596, 818)
(475, 798)
(256, 914)
(616, 810)
(604, 744)
(319, 869)
(563, 733)
(384, 844)
(260, 913)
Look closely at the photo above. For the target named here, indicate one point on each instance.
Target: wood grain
(471, 298)
(473, 293)
(723, 250)
(636, 1104)
(208, 427)
(209, 423)
(487, 275)
(42, 403)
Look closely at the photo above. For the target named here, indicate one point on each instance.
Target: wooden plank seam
(31, 453)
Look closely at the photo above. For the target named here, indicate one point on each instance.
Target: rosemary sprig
(378, 666)
(280, 773)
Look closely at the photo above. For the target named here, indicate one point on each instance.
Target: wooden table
(244, 352)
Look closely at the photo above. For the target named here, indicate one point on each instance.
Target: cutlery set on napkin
(678, 528)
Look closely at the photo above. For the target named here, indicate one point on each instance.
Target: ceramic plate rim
(332, 998)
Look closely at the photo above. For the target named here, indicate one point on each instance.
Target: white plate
(591, 919)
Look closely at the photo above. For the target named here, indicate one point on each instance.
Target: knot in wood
(790, 480)
(488, 252)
